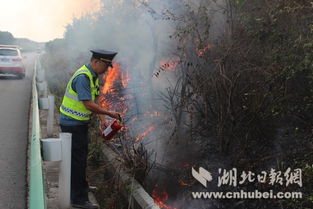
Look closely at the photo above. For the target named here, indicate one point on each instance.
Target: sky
(42, 20)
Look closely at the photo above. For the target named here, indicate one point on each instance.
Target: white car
(11, 61)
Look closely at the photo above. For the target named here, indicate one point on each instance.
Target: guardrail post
(43, 103)
(40, 75)
(59, 149)
(50, 119)
(42, 88)
(65, 171)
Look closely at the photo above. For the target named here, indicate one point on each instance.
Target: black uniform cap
(103, 55)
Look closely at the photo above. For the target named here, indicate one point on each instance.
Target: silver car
(11, 61)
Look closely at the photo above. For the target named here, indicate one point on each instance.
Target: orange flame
(200, 52)
(145, 133)
(156, 114)
(169, 65)
(110, 77)
(152, 114)
(134, 119)
(160, 197)
(182, 183)
(124, 111)
(125, 79)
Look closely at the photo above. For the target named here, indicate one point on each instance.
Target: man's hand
(103, 122)
(103, 125)
(95, 108)
(115, 115)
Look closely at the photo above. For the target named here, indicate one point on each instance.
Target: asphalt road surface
(15, 98)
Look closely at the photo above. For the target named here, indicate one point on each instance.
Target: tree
(6, 38)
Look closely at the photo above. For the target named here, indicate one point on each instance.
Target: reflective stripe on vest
(71, 106)
(73, 112)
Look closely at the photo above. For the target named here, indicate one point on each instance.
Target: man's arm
(82, 87)
(93, 107)
(102, 117)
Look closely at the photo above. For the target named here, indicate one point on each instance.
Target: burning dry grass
(145, 133)
(132, 158)
(137, 161)
(110, 77)
(160, 197)
(238, 98)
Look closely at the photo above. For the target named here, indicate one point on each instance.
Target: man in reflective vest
(77, 106)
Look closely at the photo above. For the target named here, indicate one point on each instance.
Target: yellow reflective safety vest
(71, 106)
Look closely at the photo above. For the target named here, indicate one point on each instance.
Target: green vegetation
(6, 38)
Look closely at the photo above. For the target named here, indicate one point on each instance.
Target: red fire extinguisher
(112, 129)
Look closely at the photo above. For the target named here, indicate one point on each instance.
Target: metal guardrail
(36, 195)
(136, 194)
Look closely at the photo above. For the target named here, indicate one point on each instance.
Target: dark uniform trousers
(79, 184)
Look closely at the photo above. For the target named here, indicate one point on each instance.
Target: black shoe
(85, 205)
(93, 189)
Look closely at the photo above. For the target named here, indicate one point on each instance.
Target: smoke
(140, 32)
(140, 35)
